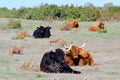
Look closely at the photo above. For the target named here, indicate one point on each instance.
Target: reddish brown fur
(69, 60)
(33, 68)
(71, 24)
(24, 34)
(17, 50)
(87, 57)
(54, 40)
(65, 28)
(75, 52)
(97, 27)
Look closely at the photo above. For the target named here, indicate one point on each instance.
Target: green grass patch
(102, 31)
(14, 24)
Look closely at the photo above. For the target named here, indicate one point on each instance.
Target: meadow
(104, 47)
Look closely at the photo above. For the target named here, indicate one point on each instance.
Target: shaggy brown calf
(78, 56)
(97, 27)
(16, 50)
(21, 35)
(71, 24)
(24, 34)
(27, 66)
(65, 28)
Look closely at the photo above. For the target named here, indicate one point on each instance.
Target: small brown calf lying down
(97, 27)
(59, 41)
(21, 35)
(71, 24)
(27, 66)
(16, 50)
(24, 33)
(78, 56)
(65, 28)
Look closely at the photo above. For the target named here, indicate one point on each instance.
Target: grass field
(104, 47)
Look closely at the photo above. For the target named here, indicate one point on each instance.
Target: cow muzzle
(75, 57)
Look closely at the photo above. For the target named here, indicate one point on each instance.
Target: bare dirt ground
(104, 47)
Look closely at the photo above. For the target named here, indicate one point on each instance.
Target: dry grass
(104, 48)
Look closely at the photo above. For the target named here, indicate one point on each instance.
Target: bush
(14, 24)
(18, 37)
(102, 31)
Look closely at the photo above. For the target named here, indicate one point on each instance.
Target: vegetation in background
(65, 12)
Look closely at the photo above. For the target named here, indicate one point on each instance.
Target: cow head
(41, 29)
(74, 50)
(60, 55)
(76, 23)
(57, 55)
(47, 33)
(101, 25)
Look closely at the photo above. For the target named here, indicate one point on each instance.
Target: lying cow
(78, 56)
(71, 24)
(97, 27)
(21, 35)
(42, 32)
(24, 34)
(53, 62)
(16, 50)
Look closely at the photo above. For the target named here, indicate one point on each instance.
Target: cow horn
(83, 45)
(51, 46)
(69, 48)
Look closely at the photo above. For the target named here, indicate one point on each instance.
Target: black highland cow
(53, 62)
(42, 32)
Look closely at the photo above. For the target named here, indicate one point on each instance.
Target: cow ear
(49, 27)
(37, 27)
(52, 54)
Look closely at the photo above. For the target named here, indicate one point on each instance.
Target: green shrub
(18, 37)
(14, 24)
(102, 31)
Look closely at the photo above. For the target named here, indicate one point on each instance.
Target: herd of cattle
(59, 60)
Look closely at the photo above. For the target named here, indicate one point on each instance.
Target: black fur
(53, 62)
(42, 32)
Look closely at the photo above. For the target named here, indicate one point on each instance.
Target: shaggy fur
(42, 32)
(78, 56)
(97, 27)
(71, 24)
(24, 34)
(17, 50)
(53, 62)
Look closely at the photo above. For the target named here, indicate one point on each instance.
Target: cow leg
(91, 62)
(82, 62)
(67, 69)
